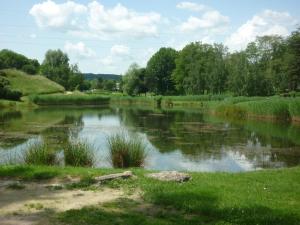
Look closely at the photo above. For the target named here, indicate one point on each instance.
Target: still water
(176, 140)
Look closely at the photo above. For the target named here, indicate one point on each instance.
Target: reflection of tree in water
(9, 141)
(198, 138)
(60, 134)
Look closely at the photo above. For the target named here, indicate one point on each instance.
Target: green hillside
(31, 84)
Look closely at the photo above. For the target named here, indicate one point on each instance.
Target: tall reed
(126, 151)
(39, 154)
(79, 154)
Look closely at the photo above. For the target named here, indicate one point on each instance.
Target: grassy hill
(31, 84)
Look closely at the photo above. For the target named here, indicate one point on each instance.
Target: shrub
(40, 154)
(126, 151)
(79, 154)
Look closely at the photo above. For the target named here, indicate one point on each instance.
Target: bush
(126, 151)
(79, 154)
(6, 92)
(40, 154)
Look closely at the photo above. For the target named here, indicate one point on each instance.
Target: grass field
(31, 84)
(262, 197)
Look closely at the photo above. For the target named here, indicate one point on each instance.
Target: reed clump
(126, 151)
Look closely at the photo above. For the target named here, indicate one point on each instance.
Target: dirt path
(35, 201)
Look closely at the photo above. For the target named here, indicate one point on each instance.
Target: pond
(176, 139)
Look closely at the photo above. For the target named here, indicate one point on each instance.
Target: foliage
(10, 59)
(158, 71)
(134, 82)
(39, 154)
(79, 153)
(200, 68)
(6, 92)
(56, 67)
(126, 151)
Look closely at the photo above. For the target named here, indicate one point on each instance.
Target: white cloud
(48, 14)
(119, 50)
(121, 20)
(94, 19)
(211, 20)
(79, 50)
(191, 6)
(107, 61)
(266, 23)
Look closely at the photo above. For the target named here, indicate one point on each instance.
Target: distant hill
(30, 84)
(92, 76)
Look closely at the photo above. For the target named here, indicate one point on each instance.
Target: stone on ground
(170, 176)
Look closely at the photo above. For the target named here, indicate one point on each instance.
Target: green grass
(126, 151)
(39, 154)
(79, 153)
(72, 99)
(262, 197)
(31, 84)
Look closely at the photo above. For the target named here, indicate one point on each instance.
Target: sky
(106, 36)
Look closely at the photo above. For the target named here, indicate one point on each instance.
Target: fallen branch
(124, 175)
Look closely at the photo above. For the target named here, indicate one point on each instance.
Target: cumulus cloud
(94, 19)
(119, 19)
(79, 50)
(120, 50)
(191, 6)
(266, 23)
(207, 20)
(117, 55)
(48, 14)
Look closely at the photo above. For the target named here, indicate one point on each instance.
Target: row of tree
(269, 65)
(56, 67)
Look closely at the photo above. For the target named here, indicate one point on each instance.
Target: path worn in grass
(261, 197)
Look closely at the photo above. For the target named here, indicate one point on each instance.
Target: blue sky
(107, 36)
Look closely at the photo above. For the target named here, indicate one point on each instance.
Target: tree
(200, 68)
(134, 80)
(10, 59)
(293, 60)
(159, 70)
(56, 67)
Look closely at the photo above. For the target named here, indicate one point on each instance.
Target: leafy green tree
(10, 59)
(200, 68)
(159, 70)
(134, 82)
(56, 67)
(293, 60)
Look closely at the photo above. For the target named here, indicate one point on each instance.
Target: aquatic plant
(39, 154)
(79, 153)
(126, 150)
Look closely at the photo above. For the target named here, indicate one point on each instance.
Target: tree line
(268, 66)
(55, 66)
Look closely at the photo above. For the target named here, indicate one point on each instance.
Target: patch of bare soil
(32, 203)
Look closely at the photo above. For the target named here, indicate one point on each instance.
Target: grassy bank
(274, 108)
(31, 84)
(262, 197)
(72, 99)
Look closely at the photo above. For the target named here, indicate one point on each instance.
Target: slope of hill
(92, 76)
(30, 84)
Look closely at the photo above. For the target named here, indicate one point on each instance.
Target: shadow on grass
(206, 206)
(127, 211)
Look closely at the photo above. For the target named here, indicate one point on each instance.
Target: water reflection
(176, 140)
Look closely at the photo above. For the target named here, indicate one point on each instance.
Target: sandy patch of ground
(31, 204)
